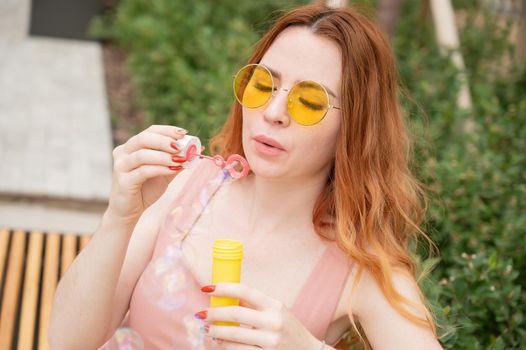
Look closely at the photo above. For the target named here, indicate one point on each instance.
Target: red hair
(372, 205)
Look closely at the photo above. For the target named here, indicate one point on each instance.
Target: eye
(262, 87)
(310, 105)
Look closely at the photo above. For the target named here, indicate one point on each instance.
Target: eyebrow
(278, 75)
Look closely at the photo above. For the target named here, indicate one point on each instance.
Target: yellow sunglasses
(308, 101)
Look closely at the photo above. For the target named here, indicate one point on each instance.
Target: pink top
(167, 294)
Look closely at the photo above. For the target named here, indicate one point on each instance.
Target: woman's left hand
(270, 324)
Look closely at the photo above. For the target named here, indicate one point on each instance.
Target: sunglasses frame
(275, 89)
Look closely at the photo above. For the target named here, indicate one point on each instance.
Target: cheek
(247, 132)
(324, 149)
(321, 142)
(331, 135)
(245, 128)
(314, 151)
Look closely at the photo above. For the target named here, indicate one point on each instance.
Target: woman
(325, 216)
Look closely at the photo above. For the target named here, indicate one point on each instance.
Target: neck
(283, 205)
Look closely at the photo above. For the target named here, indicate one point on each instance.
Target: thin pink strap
(320, 295)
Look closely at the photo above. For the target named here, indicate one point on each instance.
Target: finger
(117, 151)
(168, 130)
(147, 157)
(239, 314)
(137, 176)
(246, 336)
(228, 345)
(247, 294)
(247, 304)
(150, 140)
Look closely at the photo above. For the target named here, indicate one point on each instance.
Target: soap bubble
(125, 339)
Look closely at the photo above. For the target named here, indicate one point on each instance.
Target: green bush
(182, 55)
(476, 180)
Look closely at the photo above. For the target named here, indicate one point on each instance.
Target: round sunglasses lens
(253, 86)
(308, 102)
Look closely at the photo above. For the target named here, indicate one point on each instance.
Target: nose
(276, 111)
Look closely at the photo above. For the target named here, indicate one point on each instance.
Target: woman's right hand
(142, 169)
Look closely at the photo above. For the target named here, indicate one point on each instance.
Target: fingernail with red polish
(178, 159)
(208, 289)
(201, 315)
(179, 167)
(174, 146)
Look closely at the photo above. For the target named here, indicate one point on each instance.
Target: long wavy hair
(372, 205)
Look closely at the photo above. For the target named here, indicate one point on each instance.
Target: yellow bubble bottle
(227, 256)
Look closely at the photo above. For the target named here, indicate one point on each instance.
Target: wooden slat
(13, 256)
(49, 285)
(12, 289)
(84, 239)
(69, 251)
(4, 241)
(30, 293)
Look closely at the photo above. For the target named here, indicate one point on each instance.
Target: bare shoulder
(368, 290)
(383, 324)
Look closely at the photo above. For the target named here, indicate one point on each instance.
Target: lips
(269, 142)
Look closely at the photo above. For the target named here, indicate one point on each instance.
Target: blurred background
(80, 77)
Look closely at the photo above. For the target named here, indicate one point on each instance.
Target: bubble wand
(191, 151)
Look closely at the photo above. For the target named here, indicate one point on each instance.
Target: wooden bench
(31, 263)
